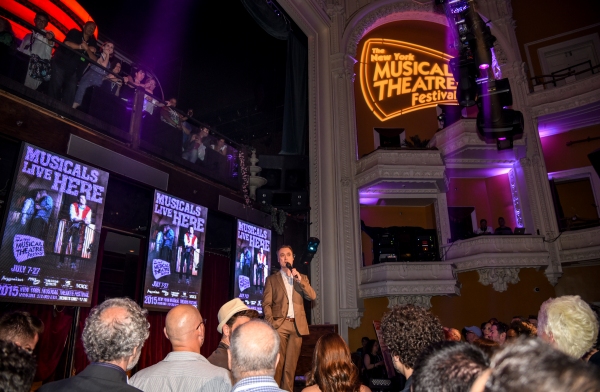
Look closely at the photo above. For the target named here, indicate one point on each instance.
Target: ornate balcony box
(420, 171)
(496, 251)
(580, 246)
(399, 279)
(556, 99)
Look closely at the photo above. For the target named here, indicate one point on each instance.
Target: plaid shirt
(257, 384)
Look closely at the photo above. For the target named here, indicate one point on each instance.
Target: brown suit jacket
(275, 301)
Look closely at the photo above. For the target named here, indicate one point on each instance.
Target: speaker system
(284, 200)
(287, 181)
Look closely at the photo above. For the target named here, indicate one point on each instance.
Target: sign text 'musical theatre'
(398, 77)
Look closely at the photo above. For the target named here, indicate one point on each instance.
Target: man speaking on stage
(282, 289)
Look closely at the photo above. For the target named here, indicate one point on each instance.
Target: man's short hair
(285, 246)
(571, 323)
(20, 325)
(408, 330)
(250, 313)
(449, 367)
(43, 14)
(533, 365)
(17, 368)
(500, 327)
(111, 340)
(483, 220)
(254, 354)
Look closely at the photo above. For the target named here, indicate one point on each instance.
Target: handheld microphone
(289, 266)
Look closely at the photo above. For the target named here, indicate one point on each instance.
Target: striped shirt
(257, 384)
(182, 371)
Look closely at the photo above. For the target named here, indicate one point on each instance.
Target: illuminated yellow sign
(399, 77)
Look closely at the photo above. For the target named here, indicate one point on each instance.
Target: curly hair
(332, 366)
(449, 366)
(408, 330)
(106, 340)
(17, 368)
(571, 323)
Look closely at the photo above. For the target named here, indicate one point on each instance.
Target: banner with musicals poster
(252, 264)
(52, 230)
(175, 253)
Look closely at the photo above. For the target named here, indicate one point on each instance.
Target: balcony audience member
(22, 329)
(486, 329)
(488, 346)
(68, 66)
(220, 147)
(569, 324)
(169, 115)
(254, 353)
(449, 367)
(533, 365)
(472, 333)
(498, 332)
(196, 148)
(113, 337)
(94, 74)
(130, 83)
(231, 315)
(184, 368)
(7, 46)
(373, 364)
(332, 367)
(17, 368)
(407, 330)
(149, 102)
(111, 83)
(483, 228)
(452, 334)
(502, 229)
(37, 44)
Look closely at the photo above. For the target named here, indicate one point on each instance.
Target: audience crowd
(65, 73)
(557, 350)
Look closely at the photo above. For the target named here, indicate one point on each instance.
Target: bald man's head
(184, 327)
(254, 350)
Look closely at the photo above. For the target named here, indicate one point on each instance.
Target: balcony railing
(134, 120)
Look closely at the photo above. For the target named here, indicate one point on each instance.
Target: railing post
(135, 125)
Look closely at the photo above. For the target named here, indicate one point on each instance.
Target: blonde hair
(571, 323)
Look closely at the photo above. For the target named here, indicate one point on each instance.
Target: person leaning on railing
(111, 83)
(68, 66)
(94, 75)
(37, 44)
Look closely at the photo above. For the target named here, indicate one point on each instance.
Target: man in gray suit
(282, 289)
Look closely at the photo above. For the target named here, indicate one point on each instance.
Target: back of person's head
(114, 330)
(533, 365)
(21, 328)
(449, 367)
(523, 328)
(369, 346)
(254, 350)
(569, 323)
(408, 330)
(17, 368)
(332, 366)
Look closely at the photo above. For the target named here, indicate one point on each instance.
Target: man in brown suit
(289, 321)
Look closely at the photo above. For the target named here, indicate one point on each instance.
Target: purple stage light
(484, 66)
(501, 138)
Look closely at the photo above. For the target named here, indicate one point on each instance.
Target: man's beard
(135, 360)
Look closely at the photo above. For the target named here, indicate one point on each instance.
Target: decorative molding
(423, 301)
(351, 317)
(579, 255)
(500, 261)
(403, 157)
(385, 289)
(386, 173)
(494, 244)
(425, 270)
(499, 278)
(580, 239)
(569, 96)
(369, 19)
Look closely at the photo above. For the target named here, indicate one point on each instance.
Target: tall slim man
(286, 288)
(80, 215)
(190, 242)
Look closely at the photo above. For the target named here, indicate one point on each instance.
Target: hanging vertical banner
(175, 253)
(252, 264)
(50, 240)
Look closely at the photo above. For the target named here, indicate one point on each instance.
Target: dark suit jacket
(276, 304)
(94, 378)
